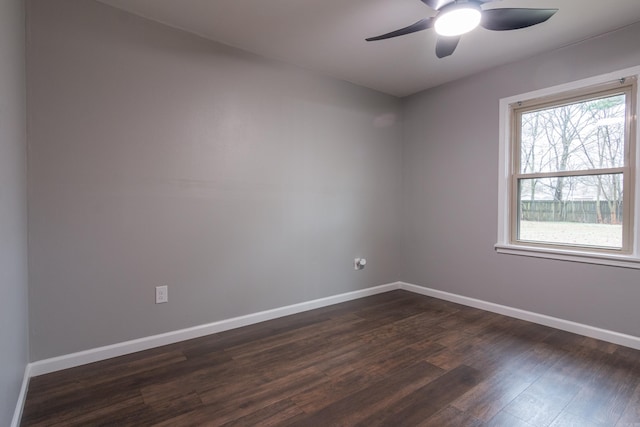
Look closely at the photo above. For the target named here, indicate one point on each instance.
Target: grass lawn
(573, 233)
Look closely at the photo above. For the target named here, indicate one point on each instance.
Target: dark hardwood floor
(397, 359)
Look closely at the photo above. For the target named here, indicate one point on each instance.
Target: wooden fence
(572, 211)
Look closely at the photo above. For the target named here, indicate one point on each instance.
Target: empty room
(319, 213)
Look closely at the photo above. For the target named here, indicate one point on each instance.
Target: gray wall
(159, 158)
(450, 194)
(13, 208)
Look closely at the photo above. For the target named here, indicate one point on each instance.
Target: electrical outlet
(162, 294)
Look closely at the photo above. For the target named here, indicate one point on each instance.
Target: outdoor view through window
(571, 167)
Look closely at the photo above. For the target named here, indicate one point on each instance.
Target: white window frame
(504, 245)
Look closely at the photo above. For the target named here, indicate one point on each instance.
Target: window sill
(625, 261)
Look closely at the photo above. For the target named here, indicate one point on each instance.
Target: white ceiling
(328, 35)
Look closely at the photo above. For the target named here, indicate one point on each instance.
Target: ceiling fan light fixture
(457, 19)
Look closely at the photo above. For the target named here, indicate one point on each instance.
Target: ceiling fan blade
(514, 18)
(439, 4)
(446, 45)
(422, 24)
(436, 4)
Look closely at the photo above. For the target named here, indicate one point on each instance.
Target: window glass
(572, 169)
(572, 210)
(578, 136)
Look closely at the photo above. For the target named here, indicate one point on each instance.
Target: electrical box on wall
(359, 263)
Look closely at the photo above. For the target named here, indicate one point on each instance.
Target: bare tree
(608, 143)
(577, 136)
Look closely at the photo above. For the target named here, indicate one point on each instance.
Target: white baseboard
(541, 319)
(101, 353)
(22, 397)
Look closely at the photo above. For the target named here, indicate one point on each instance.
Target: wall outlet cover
(162, 294)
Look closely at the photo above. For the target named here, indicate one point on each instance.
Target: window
(567, 188)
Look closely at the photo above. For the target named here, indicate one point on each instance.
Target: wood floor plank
(536, 361)
(250, 400)
(505, 419)
(427, 400)
(450, 416)
(571, 420)
(272, 415)
(631, 415)
(361, 374)
(606, 396)
(490, 396)
(381, 394)
(271, 345)
(91, 408)
(325, 394)
(543, 401)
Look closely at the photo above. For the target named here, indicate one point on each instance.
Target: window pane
(581, 136)
(577, 210)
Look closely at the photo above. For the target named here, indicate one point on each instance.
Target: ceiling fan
(456, 17)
